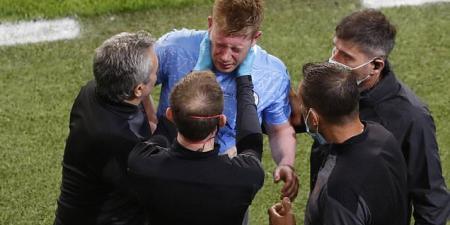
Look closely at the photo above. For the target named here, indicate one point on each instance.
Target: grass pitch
(39, 83)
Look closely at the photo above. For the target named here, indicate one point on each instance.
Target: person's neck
(371, 83)
(338, 134)
(204, 145)
(134, 101)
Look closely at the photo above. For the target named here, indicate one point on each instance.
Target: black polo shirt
(360, 181)
(94, 187)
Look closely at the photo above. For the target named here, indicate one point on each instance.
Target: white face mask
(358, 82)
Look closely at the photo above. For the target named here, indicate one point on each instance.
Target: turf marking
(394, 3)
(24, 32)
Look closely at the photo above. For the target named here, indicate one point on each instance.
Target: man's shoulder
(378, 133)
(403, 114)
(87, 89)
(413, 103)
(87, 106)
(383, 141)
(183, 38)
(402, 109)
(268, 63)
(402, 100)
(143, 154)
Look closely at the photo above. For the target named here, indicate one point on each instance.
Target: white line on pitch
(393, 3)
(24, 32)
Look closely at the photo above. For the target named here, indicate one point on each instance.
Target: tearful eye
(237, 50)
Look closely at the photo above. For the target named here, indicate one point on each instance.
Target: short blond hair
(238, 17)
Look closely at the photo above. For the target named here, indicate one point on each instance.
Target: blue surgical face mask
(315, 135)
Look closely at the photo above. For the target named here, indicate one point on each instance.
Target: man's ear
(169, 114)
(378, 66)
(210, 23)
(138, 90)
(222, 120)
(314, 118)
(256, 37)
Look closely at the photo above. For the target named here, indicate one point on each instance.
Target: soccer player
(233, 29)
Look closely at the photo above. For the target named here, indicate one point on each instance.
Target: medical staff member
(363, 41)
(107, 120)
(360, 176)
(189, 182)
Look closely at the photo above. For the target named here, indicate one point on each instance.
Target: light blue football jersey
(178, 52)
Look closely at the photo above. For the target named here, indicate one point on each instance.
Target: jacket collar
(123, 109)
(386, 88)
(180, 151)
(342, 147)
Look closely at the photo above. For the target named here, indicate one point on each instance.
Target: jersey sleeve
(279, 110)
(177, 52)
(161, 53)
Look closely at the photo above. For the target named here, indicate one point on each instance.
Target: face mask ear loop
(355, 68)
(317, 129)
(216, 132)
(204, 143)
(306, 120)
(213, 137)
(358, 82)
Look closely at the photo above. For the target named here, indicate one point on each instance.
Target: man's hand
(282, 143)
(281, 213)
(246, 66)
(231, 152)
(287, 174)
(204, 61)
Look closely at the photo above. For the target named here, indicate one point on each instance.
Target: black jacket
(94, 188)
(399, 110)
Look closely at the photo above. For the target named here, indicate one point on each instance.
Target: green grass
(39, 83)
(32, 9)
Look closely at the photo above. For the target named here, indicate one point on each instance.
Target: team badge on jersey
(255, 95)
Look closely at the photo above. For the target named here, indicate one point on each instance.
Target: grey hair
(121, 63)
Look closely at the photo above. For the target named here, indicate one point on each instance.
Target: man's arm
(167, 60)
(282, 142)
(430, 197)
(248, 131)
(150, 111)
(282, 135)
